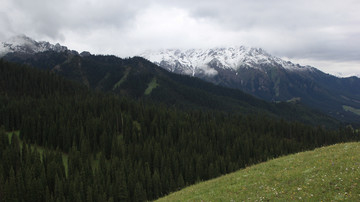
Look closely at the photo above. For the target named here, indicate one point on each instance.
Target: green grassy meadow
(324, 174)
(351, 109)
(122, 80)
(152, 85)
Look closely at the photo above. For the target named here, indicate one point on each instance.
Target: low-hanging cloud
(323, 30)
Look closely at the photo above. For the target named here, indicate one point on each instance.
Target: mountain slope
(265, 76)
(133, 76)
(144, 151)
(198, 62)
(325, 174)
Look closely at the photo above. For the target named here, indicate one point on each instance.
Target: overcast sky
(321, 33)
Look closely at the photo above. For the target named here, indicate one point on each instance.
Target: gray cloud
(318, 29)
(323, 30)
(44, 18)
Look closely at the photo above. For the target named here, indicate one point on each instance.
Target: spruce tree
(139, 193)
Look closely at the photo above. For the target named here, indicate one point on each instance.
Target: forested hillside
(119, 149)
(138, 78)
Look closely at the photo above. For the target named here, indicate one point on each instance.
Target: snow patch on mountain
(195, 61)
(24, 44)
(342, 75)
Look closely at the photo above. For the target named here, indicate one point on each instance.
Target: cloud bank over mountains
(325, 33)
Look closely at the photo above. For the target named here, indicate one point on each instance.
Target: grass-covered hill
(324, 174)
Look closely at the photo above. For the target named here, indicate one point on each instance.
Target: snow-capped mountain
(271, 78)
(24, 44)
(202, 61)
(251, 70)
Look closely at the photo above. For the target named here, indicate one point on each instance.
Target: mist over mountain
(207, 62)
(268, 77)
(24, 44)
(251, 70)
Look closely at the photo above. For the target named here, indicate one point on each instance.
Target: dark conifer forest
(71, 143)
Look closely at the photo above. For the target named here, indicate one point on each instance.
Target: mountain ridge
(24, 44)
(270, 81)
(233, 57)
(267, 77)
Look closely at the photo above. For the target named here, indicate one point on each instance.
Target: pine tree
(180, 182)
(139, 193)
(89, 194)
(15, 152)
(59, 190)
(121, 191)
(148, 181)
(2, 183)
(4, 141)
(10, 189)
